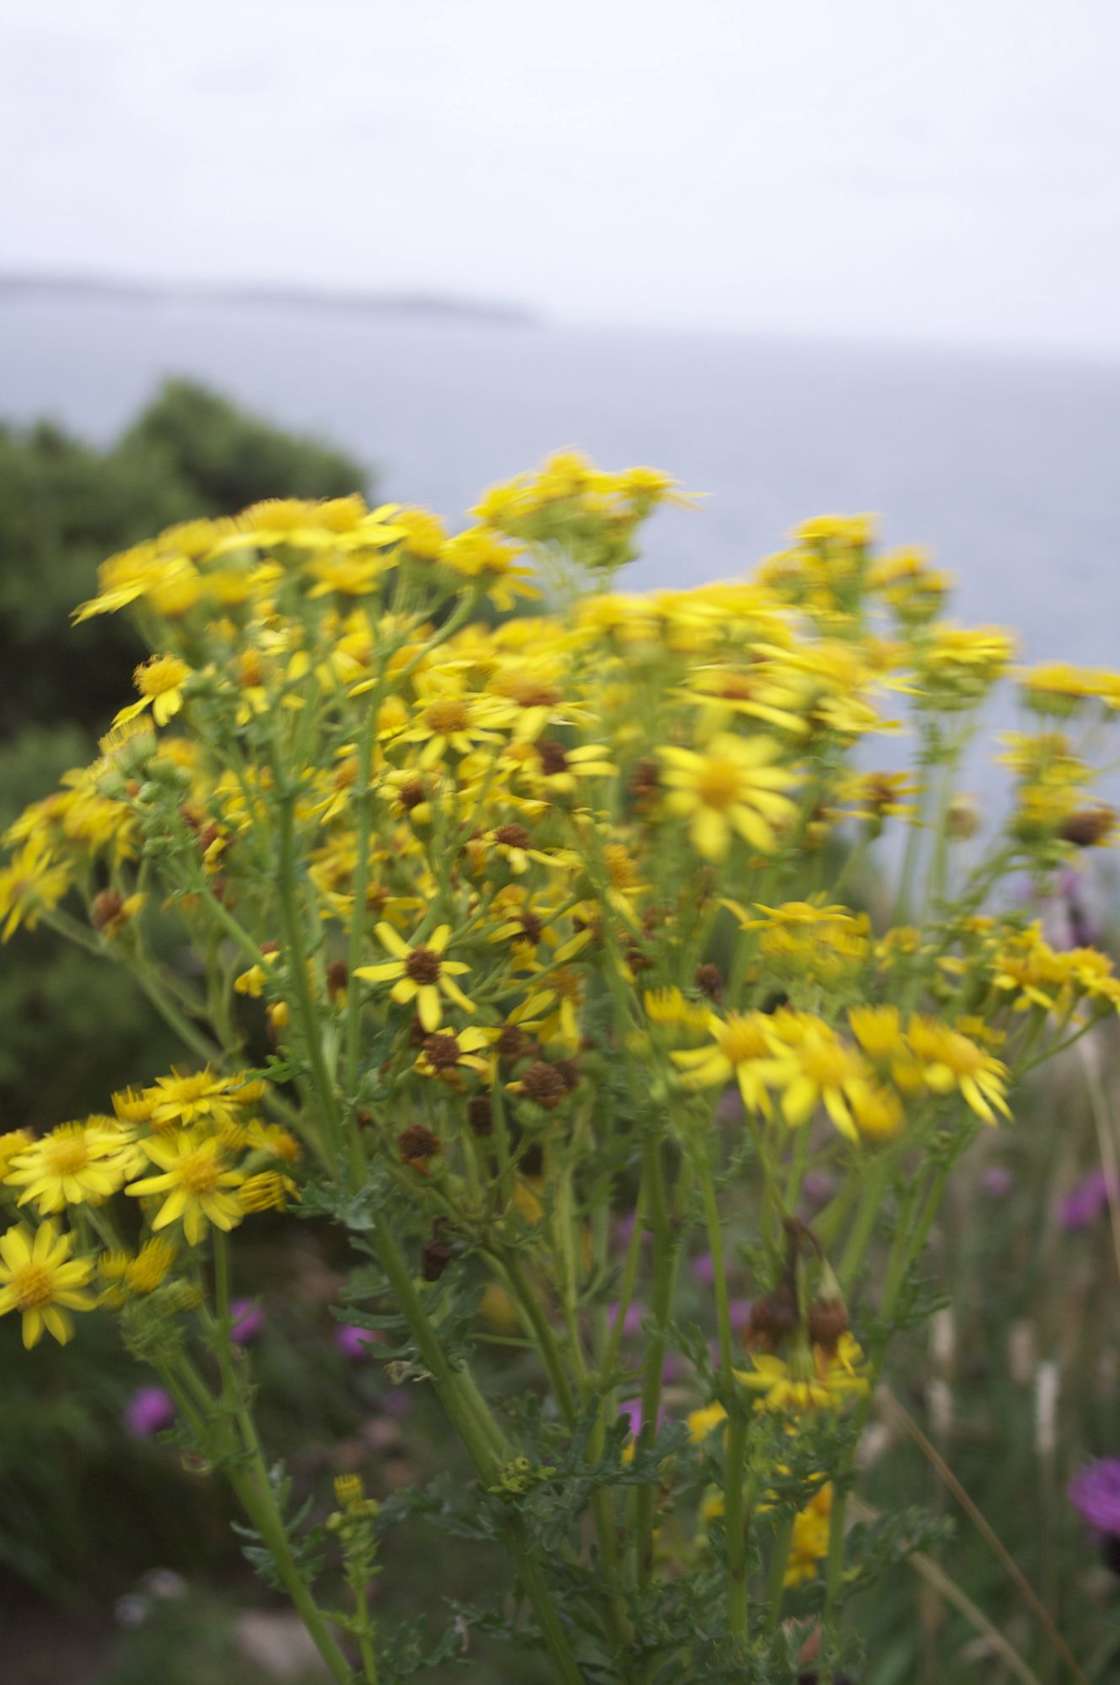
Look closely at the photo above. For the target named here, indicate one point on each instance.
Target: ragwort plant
(540, 889)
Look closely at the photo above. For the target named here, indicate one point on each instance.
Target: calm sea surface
(1006, 469)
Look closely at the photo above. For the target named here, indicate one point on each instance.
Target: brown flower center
(480, 1114)
(513, 1042)
(532, 695)
(512, 836)
(417, 1142)
(532, 927)
(553, 756)
(422, 965)
(442, 1051)
(544, 1084)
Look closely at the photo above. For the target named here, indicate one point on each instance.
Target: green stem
(482, 1438)
(248, 1475)
(365, 1641)
(736, 1438)
(297, 968)
(257, 1499)
(783, 1533)
(715, 1247)
(665, 1256)
(539, 1327)
(864, 1226)
(738, 1505)
(911, 855)
(834, 1573)
(221, 1278)
(541, 1598)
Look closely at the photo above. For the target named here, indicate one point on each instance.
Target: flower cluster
(505, 880)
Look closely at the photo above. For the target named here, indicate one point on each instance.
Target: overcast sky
(940, 169)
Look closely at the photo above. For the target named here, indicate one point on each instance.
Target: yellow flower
(268, 1190)
(845, 531)
(482, 557)
(878, 1029)
(348, 574)
(705, 1421)
(1059, 689)
(810, 1380)
(31, 885)
(253, 981)
(876, 1110)
(499, 1310)
(196, 1183)
(424, 534)
(200, 1095)
(160, 682)
(275, 1139)
(951, 1061)
(143, 1273)
(808, 938)
(419, 972)
(957, 666)
(73, 1163)
(39, 1278)
(820, 1069)
(874, 796)
(722, 692)
(730, 786)
(449, 717)
(669, 1010)
(12, 1143)
(809, 1542)
(444, 1054)
(746, 1051)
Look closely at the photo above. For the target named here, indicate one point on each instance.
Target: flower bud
(1088, 827)
(772, 1317)
(417, 1144)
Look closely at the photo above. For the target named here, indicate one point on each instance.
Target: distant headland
(110, 288)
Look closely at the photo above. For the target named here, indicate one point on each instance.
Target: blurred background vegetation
(64, 507)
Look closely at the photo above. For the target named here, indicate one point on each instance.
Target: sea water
(1004, 467)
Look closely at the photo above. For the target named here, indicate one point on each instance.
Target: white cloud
(936, 169)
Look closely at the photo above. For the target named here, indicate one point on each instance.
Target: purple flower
(248, 1320)
(817, 1189)
(632, 1410)
(632, 1321)
(997, 1181)
(739, 1311)
(148, 1411)
(1085, 1203)
(623, 1232)
(397, 1402)
(354, 1342)
(1094, 1492)
(703, 1268)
